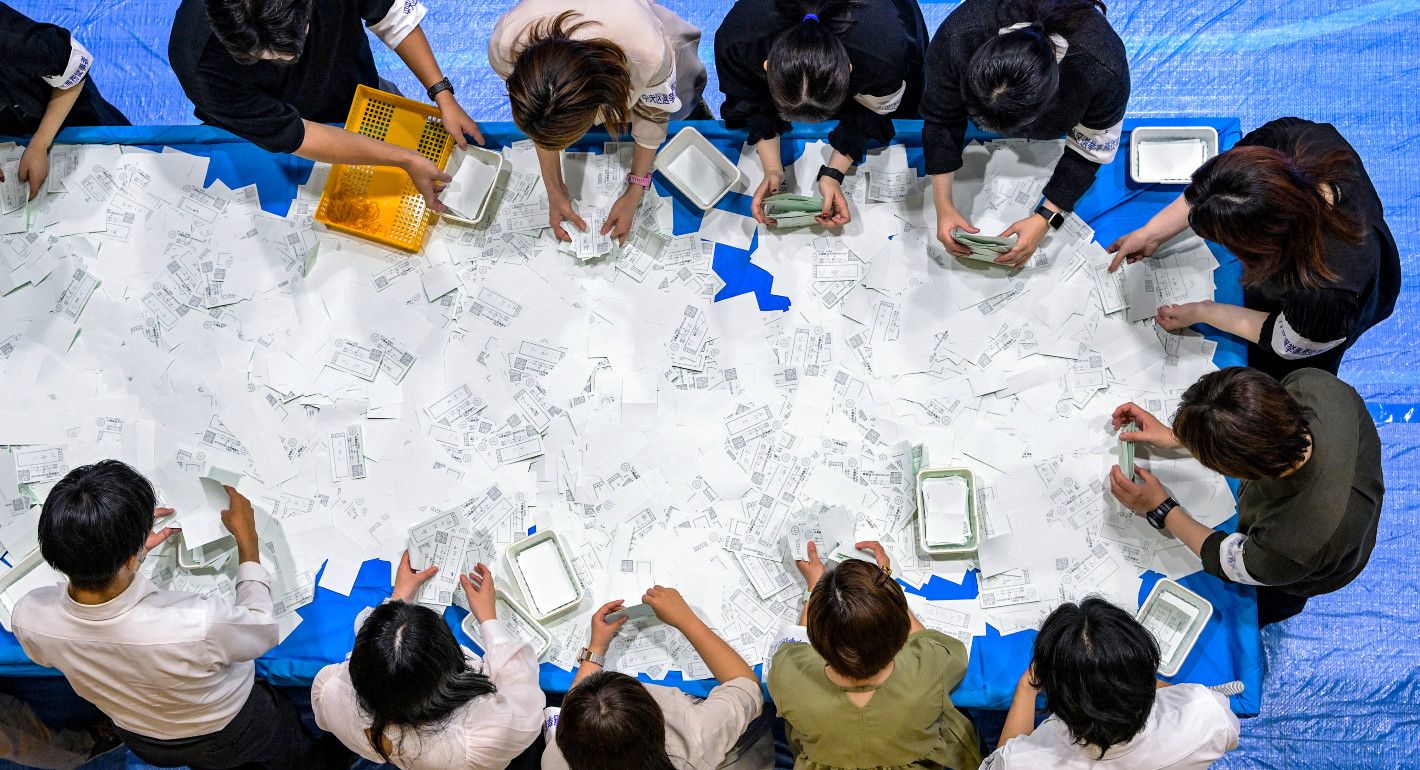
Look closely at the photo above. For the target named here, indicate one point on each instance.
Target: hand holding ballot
(478, 587)
(1151, 430)
(157, 538)
(603, 628)
(407, 581)
(787, 210)
(1140, 496)
(240, 520)
(812, 568)
(669, 606)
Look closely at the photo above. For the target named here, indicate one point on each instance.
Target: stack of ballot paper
(474, 171)
(790, 211)
(985, 248)
(451, 400)
(1172, 160)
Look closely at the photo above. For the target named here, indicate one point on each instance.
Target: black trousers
(1274, 606)
(266, 734)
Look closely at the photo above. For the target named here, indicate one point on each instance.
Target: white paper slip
(947, 510)
(473, 180)
(353, 358)
(546, 578)
(438, 281)
(347, 453)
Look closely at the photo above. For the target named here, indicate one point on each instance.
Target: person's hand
(1132, 247)
(34, 167)
(407, 581)
(1140, 496)
(670, 606)
(156, 539)
(239, 519)
(479, 588)
(1029, 233)
(879, 553)
(835, 206)
(949, 219)
(457, 122)
(1175, 317)
(812, 568)
(772, 184)
(602, 631)
(428, 178)
(623, 213)
(559, 210)
(1151, 430)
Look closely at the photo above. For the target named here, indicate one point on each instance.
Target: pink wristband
(643, 182)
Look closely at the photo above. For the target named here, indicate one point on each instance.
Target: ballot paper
(440, 541)
(789, 211)
(473, 175)
(948, 512)
(549, 585)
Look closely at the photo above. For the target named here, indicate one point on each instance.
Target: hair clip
(808, 16)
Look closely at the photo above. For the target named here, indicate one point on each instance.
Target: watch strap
(439, 87)
(1157, 516)
(643, 182)
(1053, 218)
(587, 656)
(831, 173)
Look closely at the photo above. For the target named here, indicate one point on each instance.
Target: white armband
(1097, 144)
(1230, 557)
(1289, 344)
(661, 96)
(403, 18)
(80, 60)
(883, 105)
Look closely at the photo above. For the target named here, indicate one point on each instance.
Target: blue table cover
(1229, 648)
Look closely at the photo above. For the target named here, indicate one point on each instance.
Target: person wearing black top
(1293, 202)
(45, 88)
(275, 71)
(1036, 69)
(859, 61)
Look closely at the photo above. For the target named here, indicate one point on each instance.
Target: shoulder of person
(931, 642)
(1041, 748)
(39, 600)
(1315, 387)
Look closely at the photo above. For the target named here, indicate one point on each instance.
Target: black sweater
(41, 51)
(886, 45)
(1094, 89)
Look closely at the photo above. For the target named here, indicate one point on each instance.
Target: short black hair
(809, 70)
(1097, 667)
(95, 519)
(408, 670)
(1242, 423)
(609, 721)
(250, 28)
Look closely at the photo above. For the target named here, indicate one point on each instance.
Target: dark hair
(408, 670)
(1096, 665)
(560, 86)
(1266, 207)
(95, 519)
(608, 722)
(250, 28)
(1012, 77)
(1242, 423)
(808, 63)
(858, 618)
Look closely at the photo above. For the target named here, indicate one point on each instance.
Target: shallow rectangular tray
(963, 549)
(684, 140)
(1145, 134)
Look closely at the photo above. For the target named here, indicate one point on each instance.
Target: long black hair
(808, 63)
(1096, 665)
(609, 721)
(1011, 77)
(409, 671)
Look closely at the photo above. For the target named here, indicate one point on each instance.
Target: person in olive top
(1037, 69)
(860, 683)
(46, 89)
(1309, 459)
(275, 72)
(1293, 202)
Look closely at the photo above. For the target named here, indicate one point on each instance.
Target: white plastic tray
(697, 168)
(457, 160)
(1145, 135)
(961, 549)
(560, 590)
(209, 558)
(519, 621)
(1175, 616)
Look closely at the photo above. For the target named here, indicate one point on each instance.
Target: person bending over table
(1096, 666)
(574, 64)
(1309, 459)
(1036, 69)
(46, 89)
(1293, 202)
(809, 61)
(173, 670)
(860, 682)
(274, 72)
(410, 696)
(610, 721)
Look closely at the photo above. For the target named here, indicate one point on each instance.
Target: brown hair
(559, 86)
(1242, 423)
(1266, 207)
(608, 722)
(858, 619)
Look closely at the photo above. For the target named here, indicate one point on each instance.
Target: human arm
(773, 166)
(623, 213)
(602, 634)
(1020, 719)
(34, 162)
(407, 581)
(948, 217)
(329, 144)
(559, 199)
(1148, 493)
(1234, 319)
(811, 569)
(507, 660)
(835, 206)
(1151, 431)
(1142, 243)
(724, 663)
(414, 50)
(248, 629)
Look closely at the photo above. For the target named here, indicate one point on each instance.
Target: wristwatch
(1053, 218)
(1156, 517)
(831, 173)
(587, 656)
(442, 85)
(643, 182)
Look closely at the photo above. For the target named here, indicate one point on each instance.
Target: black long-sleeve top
(886, 46)
(1094, 89)
(45, 57)
(1312, 327)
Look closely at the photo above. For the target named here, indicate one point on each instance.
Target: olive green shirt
(910, 721)
(1310, 532)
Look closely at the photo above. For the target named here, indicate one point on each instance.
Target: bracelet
(644, 182)
(831, 173)
(439, 87)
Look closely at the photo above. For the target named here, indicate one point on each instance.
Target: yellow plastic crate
(380, 202)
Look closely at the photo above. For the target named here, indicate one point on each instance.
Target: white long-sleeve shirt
(162, 664)
(486, 734)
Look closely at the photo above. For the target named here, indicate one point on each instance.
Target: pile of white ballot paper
(450, 400)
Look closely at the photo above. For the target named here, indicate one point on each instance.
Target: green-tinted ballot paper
(789, 210)
(985, 248)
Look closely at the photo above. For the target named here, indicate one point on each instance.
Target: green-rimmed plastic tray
(973, 521)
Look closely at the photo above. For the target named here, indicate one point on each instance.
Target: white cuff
(403, 18)
(252, 570)
(1288, 344)
(493, 632)
(1230, 556)
(1097, 144)
(883, 105)
(80, 60)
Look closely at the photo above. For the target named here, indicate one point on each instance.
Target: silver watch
(586, 655)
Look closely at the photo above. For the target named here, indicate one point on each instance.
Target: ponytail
(1056, 17)
(1266, 207)
(808, 63)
